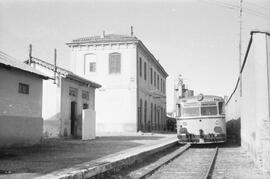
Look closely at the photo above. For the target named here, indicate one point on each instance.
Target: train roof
(201, 98)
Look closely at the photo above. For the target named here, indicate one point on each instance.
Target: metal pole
(30, 55)
(240, 44)
(55, 55)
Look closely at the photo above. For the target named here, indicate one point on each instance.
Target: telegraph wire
(235, 7)
(255, 4)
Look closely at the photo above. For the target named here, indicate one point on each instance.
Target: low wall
(88, 124)
(21, 131)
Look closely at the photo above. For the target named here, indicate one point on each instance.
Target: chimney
(131, 31)
(103, 34)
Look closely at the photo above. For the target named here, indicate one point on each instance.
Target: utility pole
(240, 44)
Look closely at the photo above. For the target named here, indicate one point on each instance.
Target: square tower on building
(133, 93)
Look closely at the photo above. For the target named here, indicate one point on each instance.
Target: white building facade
(68, 102)
(133, 93)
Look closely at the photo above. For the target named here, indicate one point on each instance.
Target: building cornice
(135, 41)
(153, 58)
(101, 43)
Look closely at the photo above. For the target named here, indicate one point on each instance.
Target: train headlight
(200, 97)
(218, 129)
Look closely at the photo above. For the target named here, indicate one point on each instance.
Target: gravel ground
(55, 154)
(234, 162)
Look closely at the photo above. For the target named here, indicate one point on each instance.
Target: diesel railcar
(201, 119)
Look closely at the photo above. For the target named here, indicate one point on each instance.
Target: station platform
(58, 158)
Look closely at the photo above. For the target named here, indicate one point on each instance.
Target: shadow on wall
(51, 126)
(234, 131)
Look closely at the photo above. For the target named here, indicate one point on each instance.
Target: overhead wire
(255, 4)
(236, 7)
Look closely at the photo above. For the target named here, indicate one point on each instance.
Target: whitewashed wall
(253, 106)
(51, 104)
(116, 101)
(57, 104)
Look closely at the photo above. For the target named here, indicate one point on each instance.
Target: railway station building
(133, 93)
(20, 102)
(68, 102)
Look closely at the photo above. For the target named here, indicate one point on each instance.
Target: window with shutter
(114, 63)
(145, 70)
(23, 88)
(90, 63)
(151, 75)
(157, 81)
(140, 66)
(92, 67)
(154, 78)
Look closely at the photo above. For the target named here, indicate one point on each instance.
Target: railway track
(194, 163)
(186, 162)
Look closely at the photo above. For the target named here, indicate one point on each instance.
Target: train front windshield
(203, 109)
(191, 111)
(208, 110)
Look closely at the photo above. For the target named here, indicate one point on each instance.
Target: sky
(198, 39)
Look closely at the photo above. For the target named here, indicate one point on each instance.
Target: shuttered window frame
(114, 63)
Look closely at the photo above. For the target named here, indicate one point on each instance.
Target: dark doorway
(73, 119)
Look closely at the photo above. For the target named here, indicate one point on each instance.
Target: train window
(192, 111)
(209, 110)
(220, 108)
(178, 111)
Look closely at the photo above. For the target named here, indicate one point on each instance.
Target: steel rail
(209, 171)
(162, 161)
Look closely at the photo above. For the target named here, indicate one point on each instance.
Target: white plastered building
(133, 93)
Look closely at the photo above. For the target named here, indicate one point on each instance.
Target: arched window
(140, 115)
(164, 87)
(114, 63)
(140, 66)
(158, 82)
(161, 86)
(155, 118)
(151, 118)
(90, 63)
(154, 79)
(151, 76)
(145, 114)
(161, 118)
(145, 73)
